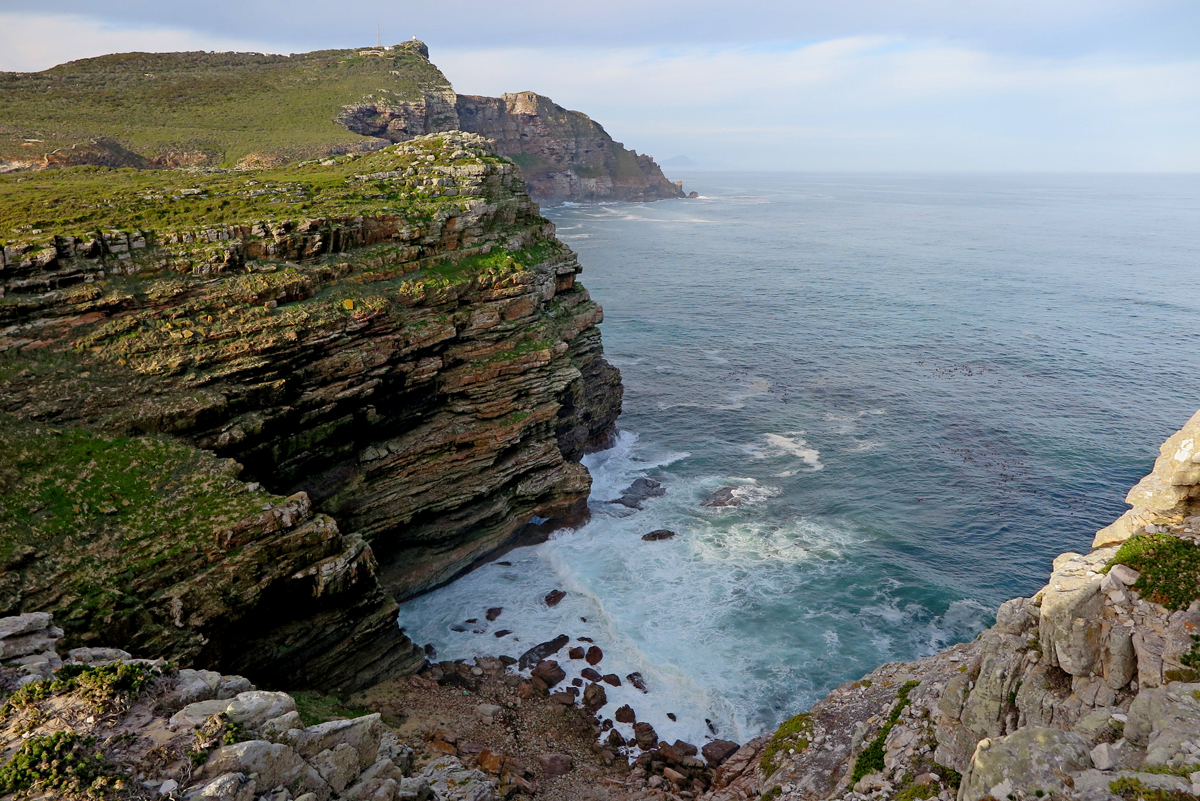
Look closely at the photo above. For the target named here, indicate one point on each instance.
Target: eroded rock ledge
(1089, 690)
(392, 345)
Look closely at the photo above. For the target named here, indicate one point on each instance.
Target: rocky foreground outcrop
(243, 411)
(1088, 690)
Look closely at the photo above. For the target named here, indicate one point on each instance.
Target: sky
(822, 85)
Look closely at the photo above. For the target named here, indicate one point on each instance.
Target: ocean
(922, 388)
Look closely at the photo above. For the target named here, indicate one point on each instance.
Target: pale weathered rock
(338, 766)
(450, 781)
(254, 708)
(1028, 760)
(363, 734)
(228, 787)
(273, 764)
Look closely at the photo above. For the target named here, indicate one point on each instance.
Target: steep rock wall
(412, 357)
(1088, 690)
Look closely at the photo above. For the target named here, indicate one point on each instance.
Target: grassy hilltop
(213, 109)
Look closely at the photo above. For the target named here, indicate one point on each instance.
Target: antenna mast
(378, 35)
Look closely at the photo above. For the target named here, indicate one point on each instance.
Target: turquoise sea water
(925, 387)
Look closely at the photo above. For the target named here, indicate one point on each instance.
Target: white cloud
(866, 102)
(34, 42)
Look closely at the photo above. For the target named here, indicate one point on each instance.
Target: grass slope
(211, 107)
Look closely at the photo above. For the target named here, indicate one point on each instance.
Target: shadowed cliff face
(410, 359)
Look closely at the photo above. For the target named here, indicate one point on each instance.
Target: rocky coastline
(275, 420)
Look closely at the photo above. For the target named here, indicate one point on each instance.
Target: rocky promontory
(252, 110)
(1088, 690)
(244, 411)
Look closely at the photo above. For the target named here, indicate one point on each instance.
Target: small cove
(925, 387)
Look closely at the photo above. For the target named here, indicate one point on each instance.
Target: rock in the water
(639, 491)
(549, 672)
(502, 633)
(645, 735)
(718, 751)
(494, 612)
(725, 496)
(611, 679)
(591, 674)
(594, 697)
(554, 597)
(637, 681)
(576, 652)
(539, 652)
(625, 714)
(658, 534)
(594, 655)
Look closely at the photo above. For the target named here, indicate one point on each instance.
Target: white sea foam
(792, 444)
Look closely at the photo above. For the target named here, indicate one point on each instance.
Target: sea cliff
(251, 110)
(245, 411)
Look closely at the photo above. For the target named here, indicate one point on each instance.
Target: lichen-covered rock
(1028, 760)
(451, 781)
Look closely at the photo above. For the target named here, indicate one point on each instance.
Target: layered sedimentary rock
(392, 346)
(1089, 690)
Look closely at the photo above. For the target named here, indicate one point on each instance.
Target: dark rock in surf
(625, 714)
(637, 681)
(639, 491)
(594, 655)
(725, 496)
(660, 534)
(611, 679)
(494, 612)
(553, 598)
(591, 674)
(576, 652)
(539, 652)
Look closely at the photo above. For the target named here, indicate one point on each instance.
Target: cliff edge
(251, 110)
(1089, 690)
(244, 411)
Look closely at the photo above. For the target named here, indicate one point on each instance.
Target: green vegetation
(315, 708)
(206, 108)
(1169, 568)
(917, 791)
(79, 201)
(871, 758)
(794, 735)
(1131, 789)
(100, 513)
(772, 794)
(102, 686)
(62, 765)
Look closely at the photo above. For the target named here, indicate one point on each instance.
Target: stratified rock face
(564, 154)
(1089, 690)
(412, 357)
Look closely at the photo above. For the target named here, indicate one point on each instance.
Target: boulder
(611, 679)
(227, 787)
(549, 672)
(555, 764)
(542, 650)
(591, 674)
(1030, 759)
(594, 697)
(644, 735)
(338, 766)
(594, 655)
(718, 751)
(494, 612)
(362, 734)
(639, 491)
(555, 597)
(274, 763)
(576, 652)
(252, 709)
(637, 681)
(451, 781)
(625, 714)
